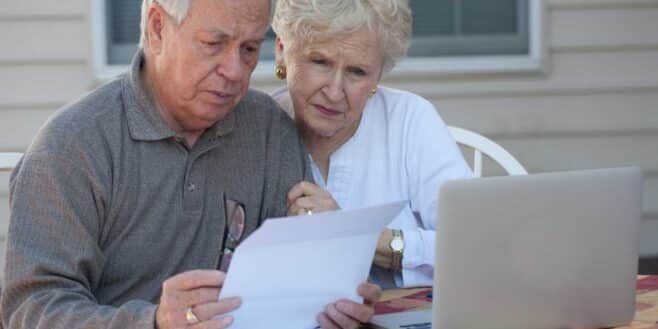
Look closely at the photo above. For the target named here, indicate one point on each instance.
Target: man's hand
(198, 290)
(307, 196)
(384, 254)
(346, 314)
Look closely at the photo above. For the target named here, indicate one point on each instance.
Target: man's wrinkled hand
(198, 290)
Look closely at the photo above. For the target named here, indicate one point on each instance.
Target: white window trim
(102, 70)
(534, 62)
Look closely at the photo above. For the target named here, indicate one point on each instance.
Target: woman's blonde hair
(313, 20)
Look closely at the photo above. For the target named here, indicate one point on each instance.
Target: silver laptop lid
(542, 251)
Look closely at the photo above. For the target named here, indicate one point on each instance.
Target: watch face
(397, 244)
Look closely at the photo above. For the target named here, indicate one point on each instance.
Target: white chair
(8, 160)
(482, 145)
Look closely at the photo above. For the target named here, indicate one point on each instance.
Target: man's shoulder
(260, 107)
(88, 108)
(259, 101)
(81, 119)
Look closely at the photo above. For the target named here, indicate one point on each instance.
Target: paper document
(404, 320)
(289, 269)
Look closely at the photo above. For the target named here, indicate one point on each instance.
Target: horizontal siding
(29, 121)
(44, 41)
(31, 9)
(4, 187)
(572, 30)
(554, 115)
(570, 73)
(648, 240)
(650, 197)
(27, 85)
(556, 154)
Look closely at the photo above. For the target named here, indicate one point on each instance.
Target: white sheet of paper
(404, 320)
(289, 269)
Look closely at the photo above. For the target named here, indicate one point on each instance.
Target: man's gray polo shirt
(108, 203)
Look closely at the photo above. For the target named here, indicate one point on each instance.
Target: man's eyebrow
(219, 34)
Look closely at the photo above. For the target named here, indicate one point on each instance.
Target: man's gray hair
(304, 21)
(176, 9)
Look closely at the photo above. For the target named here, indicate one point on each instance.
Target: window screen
(441, 28)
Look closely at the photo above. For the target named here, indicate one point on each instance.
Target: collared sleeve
(53, 257)
(431, 158)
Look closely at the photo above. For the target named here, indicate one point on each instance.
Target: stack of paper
(291, 268)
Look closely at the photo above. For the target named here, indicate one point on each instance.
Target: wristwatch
(397, 247)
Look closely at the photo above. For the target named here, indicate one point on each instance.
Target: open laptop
(544, 251)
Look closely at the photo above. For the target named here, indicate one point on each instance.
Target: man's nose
(230, 65)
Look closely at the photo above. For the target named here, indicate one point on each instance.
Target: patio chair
(8, 160)
(482, 145)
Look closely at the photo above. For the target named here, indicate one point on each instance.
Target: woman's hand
(346, 314)
(306, 196)
(384, 254)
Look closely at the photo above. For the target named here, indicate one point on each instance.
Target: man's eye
(210, 43)
(318, 61)
(251, 49)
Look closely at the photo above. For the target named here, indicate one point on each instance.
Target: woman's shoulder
(402, 105)
(402, 101)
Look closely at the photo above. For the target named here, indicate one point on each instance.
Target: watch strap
(396, 261)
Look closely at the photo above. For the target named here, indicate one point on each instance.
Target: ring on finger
(190, 316)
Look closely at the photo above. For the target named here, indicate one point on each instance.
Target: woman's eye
(318, 61)
(358, 71)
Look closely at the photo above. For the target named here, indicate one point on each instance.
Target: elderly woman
(369, 144)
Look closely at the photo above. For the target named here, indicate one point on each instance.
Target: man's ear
(155, 23)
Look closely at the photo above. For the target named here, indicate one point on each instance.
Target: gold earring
(280, 72)
(373, 91)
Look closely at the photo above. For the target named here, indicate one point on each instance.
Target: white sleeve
(431, 158)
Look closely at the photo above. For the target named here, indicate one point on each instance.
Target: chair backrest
(8, 160)
(482, 145)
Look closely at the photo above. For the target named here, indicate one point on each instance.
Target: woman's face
(330, 81)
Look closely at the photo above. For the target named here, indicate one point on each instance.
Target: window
(449, 35)
(469, 28)
(123, 31)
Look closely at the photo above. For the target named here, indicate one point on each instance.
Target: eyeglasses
(233, 231)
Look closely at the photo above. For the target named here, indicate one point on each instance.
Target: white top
(401, 150)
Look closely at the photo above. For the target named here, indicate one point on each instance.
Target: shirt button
(191, 187)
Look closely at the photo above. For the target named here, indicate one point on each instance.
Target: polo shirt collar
(144, 121)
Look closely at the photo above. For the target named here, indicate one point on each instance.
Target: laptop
(544, 251)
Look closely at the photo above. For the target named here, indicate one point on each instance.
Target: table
(646, 309)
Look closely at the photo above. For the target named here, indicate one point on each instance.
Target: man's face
(204, 65)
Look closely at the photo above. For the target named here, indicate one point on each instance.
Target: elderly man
(119, 207)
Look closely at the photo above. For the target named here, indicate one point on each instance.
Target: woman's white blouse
(401, 150)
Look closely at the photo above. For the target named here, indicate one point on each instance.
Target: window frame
(533, 62)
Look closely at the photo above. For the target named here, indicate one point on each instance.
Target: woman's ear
(156, 20)
(278, 50)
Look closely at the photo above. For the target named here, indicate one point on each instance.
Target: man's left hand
(346, 314)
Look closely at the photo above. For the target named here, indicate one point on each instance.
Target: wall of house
(596, 105)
